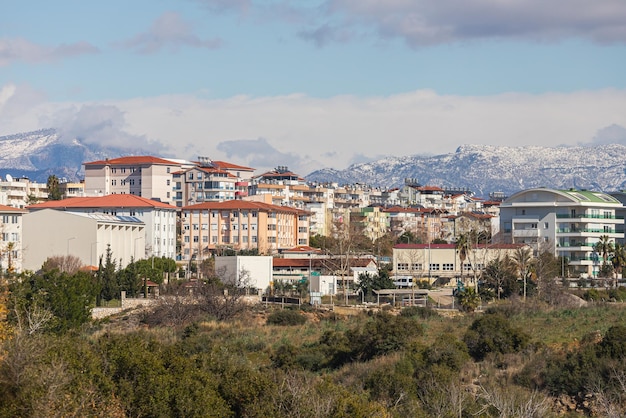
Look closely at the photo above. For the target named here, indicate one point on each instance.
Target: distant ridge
(38, 154)
(484, 169)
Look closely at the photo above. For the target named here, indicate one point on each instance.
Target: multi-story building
(568, 223)
(50, 232)
(159, 218)
(11, 239)
(424, 223)
(203, 184)
(373, 220)
(241, 225)
(145, 176)
(72, 189)
(434, 261)
(21, 192)
(283, 186)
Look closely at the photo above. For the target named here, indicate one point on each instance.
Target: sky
(313, 84)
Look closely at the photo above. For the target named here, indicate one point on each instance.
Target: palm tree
(463, 248)
(618, 260)
(604, 247)
(522, 259)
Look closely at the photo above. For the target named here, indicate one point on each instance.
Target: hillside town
(146, 207)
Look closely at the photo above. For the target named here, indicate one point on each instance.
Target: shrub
(494, 334)
(418, 312)
(286, 317)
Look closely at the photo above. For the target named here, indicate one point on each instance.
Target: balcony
(587, 216)
(526, 233)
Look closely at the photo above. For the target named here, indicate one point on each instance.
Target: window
(448, 267)
(271, 227)
(186, 238)
(195, 238)
(114, 182)
(271, 240)
(302, 229)
(403, 266)
(467, 266)
(214, 239)
(168, 182)
(213, 227)
(417, 267)
(546, 225)
(434, 266)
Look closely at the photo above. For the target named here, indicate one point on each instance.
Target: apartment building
(145, 176)
(241, 225)
(425, 223)
(281, 185)
(11, 246)
(203, 184)
(20, 192)
(566, 222)
(159, 218)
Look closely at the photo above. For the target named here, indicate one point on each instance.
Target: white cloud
(169, 31)
(21, 50)
(307, 133)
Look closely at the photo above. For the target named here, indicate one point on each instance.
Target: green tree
(68, 297)
(54, 192)
(618, 260)
(463, 247)
(368, 283)
(468, 299)
(107, 277)
(493, 333)
(604, 247)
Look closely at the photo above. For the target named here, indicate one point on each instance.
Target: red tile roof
(228, 166)
(109, 201)
(242, 205)
(4, 208)
(303, 249)
(130, 160)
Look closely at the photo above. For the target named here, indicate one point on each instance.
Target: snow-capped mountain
(39, 154)
(484, 169)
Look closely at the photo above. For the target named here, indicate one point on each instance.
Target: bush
(286, 317)
(492, 333)
(418, 312)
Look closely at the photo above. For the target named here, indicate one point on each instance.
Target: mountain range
(480, 168)
(484, 169)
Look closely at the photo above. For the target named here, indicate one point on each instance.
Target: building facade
(160, 219)
(145, 176)
(241, 225)
(50, 232)
(568, 223)
(11, 244)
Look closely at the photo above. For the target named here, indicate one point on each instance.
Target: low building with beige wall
(49, 232)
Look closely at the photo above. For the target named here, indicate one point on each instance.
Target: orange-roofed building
(241, 225)
(159, 218)
(145, 176)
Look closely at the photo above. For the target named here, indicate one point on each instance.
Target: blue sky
(313, 84)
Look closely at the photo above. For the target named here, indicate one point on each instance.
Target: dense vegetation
(202, 351)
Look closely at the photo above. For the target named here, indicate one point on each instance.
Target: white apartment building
(11, 239)
(566, 222)
(145, 176)
(21, 192)
(159, 218)
(50, 232)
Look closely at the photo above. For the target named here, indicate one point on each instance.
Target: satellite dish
(9, 177)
